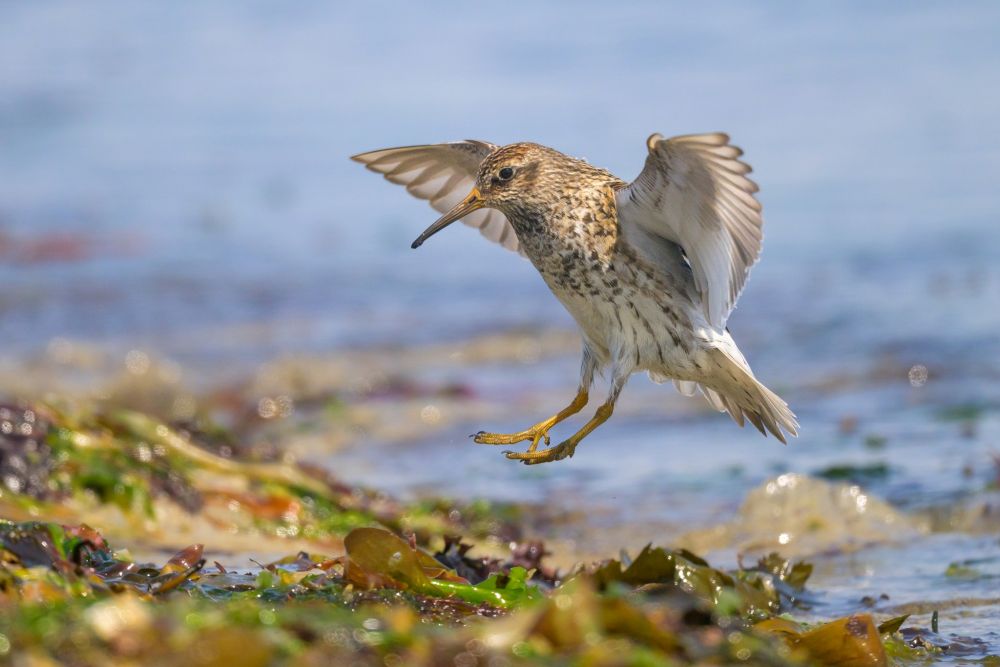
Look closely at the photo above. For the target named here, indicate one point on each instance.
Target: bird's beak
(473, 202)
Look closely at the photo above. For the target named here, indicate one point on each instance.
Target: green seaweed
(855, 472)
(67, 597)
(385, 601)
(754, 594)
(112, 457)
(377, 556)
(962, 412)
(892, 625)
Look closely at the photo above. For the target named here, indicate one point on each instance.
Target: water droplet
(267, 408)
(430, 414)
(137, 362)
(918, 375)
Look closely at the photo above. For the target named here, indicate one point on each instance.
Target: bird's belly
(634, 331)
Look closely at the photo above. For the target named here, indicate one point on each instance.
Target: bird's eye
(506, 173)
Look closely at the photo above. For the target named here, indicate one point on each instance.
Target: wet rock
(25, 458)
(979, 513)
(799, 515)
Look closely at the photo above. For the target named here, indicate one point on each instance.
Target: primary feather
(443, 174)
(694, 192)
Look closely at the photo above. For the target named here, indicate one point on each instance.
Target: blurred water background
(199, 153)
(174, 179)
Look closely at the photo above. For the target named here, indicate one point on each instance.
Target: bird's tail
(734, 389)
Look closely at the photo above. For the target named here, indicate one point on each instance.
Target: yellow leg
(566, 448)
(537, 432)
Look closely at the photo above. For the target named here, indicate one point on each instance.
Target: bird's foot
(563, 450)
(535, 434)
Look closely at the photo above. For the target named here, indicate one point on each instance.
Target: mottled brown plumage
(649, 270)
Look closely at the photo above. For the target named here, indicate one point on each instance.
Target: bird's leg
(540, 431)
(537, 432)
(566, 448)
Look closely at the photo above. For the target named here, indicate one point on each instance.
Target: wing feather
(693, 191)
(443, 174)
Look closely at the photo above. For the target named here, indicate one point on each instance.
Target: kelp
(861, 473)
(369, 590)
(773, 585)
(854, 640)
(67, 596)
(66, 461)
(47, 562)
(387, 597)
(377, 558)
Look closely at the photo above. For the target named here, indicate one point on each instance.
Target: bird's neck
(582, 224)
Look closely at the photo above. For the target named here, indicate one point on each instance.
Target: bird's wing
(443, 174)
(693, 191)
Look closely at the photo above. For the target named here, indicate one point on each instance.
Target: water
(175, 179)
(198, 156)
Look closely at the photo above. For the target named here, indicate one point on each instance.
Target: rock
(798, 515)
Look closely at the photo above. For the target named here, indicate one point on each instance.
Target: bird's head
(512, 178)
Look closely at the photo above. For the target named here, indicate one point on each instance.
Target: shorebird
(650, 270)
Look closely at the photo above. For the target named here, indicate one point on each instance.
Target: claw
(484, 438)
(537, 432)
(561, 451)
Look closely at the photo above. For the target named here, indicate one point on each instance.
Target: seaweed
(69, 461)
(854, 640)
(378, 593)
(378, 559)
(857, 473)
(384, 598)
(770, 587)
(78, 601)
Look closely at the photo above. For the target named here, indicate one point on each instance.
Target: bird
(649, 270)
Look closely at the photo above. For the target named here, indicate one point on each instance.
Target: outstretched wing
(443, 174)
(694, 192)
